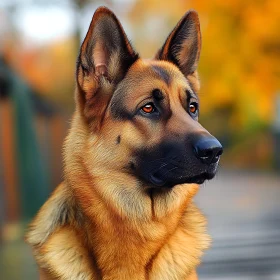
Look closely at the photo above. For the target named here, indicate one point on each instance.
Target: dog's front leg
(64, 257)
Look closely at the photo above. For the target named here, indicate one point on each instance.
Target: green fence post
(33, 176)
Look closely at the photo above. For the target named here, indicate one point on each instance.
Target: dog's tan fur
(99, 223)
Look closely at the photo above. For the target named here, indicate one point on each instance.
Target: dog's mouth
(159, 181)
(170, 165)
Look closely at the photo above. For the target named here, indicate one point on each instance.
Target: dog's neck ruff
(160, 248)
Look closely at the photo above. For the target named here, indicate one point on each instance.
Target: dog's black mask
(176, 162)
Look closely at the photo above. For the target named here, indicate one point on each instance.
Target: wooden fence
(32, 131)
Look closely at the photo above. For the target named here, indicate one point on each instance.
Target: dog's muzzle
(174, 162)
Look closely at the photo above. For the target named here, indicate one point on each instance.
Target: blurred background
(240, 104)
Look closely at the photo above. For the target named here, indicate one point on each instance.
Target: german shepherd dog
(134, 158)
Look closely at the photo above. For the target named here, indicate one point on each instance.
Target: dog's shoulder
(58, 211)
(55, 237)
(65, 256)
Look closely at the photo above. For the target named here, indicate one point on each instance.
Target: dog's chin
(160, 182)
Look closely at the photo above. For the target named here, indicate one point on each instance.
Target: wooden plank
(9, 161)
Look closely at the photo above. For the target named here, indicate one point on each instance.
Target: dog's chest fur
(70, 246)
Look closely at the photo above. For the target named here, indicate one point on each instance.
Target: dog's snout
(208, 149)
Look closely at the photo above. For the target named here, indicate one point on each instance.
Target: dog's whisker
(159, 168)
(171, 169)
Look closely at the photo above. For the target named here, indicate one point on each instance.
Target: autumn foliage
(239, 66)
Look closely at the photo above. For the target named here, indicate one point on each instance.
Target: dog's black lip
(157, 181)
(198, 179)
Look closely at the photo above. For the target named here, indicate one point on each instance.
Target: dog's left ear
(105, 56)
(182, 46)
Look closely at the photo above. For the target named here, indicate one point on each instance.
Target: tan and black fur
(125, 210)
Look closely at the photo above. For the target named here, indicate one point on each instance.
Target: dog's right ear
(182, 46)
(105, 56)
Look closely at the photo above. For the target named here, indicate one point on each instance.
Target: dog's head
(142, 115)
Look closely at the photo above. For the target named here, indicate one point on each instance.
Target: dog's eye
(148, 108)
(193, 108)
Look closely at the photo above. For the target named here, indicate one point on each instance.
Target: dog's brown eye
(148, 108)
(193, 108)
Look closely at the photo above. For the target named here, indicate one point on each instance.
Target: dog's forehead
(158, 73)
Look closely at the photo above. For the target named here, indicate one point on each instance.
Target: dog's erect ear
(105, 56)
(182, 46)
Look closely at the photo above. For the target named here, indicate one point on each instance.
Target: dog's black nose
(208, 149)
